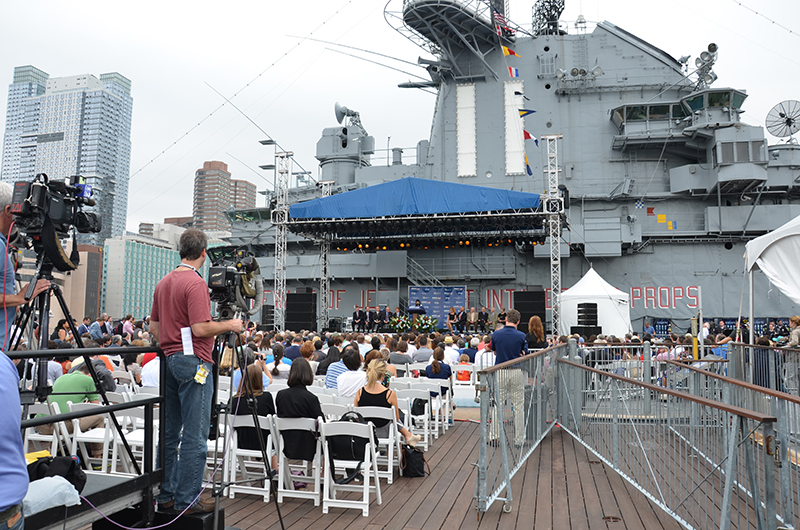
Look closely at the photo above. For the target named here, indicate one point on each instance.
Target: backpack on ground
(64, 466)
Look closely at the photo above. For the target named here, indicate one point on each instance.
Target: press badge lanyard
(186, 339)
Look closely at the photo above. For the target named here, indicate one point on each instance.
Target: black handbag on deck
(413, 463)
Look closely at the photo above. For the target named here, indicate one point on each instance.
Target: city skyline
(288, 85)
(72, 125)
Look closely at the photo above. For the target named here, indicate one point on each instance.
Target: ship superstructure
(662, 183)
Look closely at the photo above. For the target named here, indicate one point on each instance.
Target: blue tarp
(413, 196)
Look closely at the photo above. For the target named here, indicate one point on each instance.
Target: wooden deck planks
(557, 488)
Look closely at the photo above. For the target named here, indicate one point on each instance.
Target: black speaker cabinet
(529, 303)
(301, 311)
(586, 331)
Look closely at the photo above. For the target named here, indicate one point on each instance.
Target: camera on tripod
(47, 209)
(234, 280)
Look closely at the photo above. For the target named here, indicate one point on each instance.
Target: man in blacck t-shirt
(181, 322)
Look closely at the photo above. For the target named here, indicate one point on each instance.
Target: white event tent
(776, 254)
(613, 308)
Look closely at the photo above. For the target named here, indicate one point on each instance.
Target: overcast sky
(177, 53)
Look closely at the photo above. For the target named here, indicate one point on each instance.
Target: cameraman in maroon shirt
(181, 322)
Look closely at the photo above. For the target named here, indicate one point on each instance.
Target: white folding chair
(334, 411)
(437, 403)
(132, 422)
(398, 384)
(388, 438)
(317, 390)
(341, 400)
(125, 379)
(325, 398)
(332, 391)
(424, 419)
(370, 468)
(154, 390)
(97, 435)
(420, 367)
(40, 442)
(274, 388)
(463, 368)
(248, 461)
(285, 478)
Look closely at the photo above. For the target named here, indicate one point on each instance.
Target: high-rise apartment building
(76, 125)
(215, 193)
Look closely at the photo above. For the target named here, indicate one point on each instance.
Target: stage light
(384, 247)
(466, 242)
(367, 245)
(360, 245)
(490, 243)
(447, 246)
(345, 249)
(426, 248)
(461, 243)
(402, 245)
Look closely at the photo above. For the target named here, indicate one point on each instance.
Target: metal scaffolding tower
(326, 187)
(554, 206)
(280, 215)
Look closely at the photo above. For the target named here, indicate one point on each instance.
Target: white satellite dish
(783, 120)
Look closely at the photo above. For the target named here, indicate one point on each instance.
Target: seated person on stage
(452, 319)
(462, 320)
(501, 317)
(357, 319)
(372, 319)
(472, 318)
(354, 378)
(483, 318)
(376, 393)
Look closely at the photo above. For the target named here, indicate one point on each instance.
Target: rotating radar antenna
(783, 121)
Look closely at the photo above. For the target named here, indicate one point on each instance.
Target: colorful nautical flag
(528, 166)
(670, 225)
(508, 51)
(513, 72)
(536, 141)
(525, 112)
(639, 204)
(651, 210)
(661, 218)
(527, 135)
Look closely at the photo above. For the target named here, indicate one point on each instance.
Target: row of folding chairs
(321, 485)
(79, 442)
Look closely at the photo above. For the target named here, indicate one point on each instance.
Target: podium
(415, 311)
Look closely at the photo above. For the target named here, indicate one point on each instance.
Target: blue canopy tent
(413, 196)
(422, 209)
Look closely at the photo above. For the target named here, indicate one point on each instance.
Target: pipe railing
(708, 464)
(785, 407)
(517, 400)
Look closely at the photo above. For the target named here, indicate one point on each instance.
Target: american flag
(499, 18)
(639, 204)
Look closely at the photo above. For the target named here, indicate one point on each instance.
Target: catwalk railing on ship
(711, 450)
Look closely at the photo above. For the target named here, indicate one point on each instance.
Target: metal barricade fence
(769, 367)
(784, 406)
(517, 401)
(708, 464)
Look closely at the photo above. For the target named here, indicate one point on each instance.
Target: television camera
(234, 280)
(47, 209)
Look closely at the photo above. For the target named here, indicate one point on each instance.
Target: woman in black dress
(535, 337)
(297, 402)
(501, 317)
(452, 319)
(248, 436)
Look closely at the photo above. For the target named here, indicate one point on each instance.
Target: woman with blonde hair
(374, 394)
